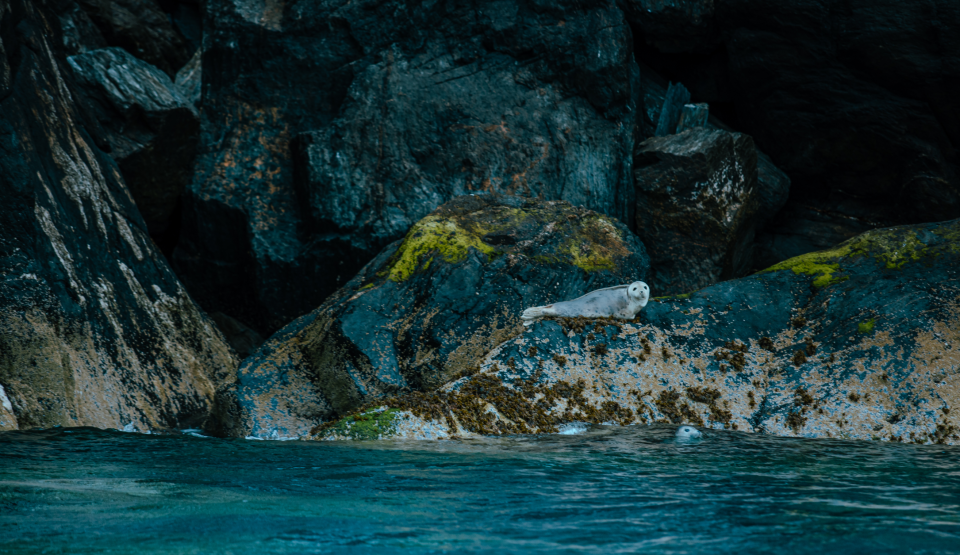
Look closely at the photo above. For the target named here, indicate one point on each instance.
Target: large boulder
(390, 109)
(852, 98)
(858, 342)
(97, 331)
(427, 308)
(141, 28)
(152, 129)
(697, 202)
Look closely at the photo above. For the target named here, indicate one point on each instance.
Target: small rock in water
(688, 432)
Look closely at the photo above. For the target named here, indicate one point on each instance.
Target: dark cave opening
(166, 239)
(704, 73)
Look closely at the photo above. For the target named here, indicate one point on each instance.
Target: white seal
(688, 432)
(622, 301)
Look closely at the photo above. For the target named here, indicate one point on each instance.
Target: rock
(773, 189)
(141, 28)
(151, 128)
(809, 226)
(676, 97)
(696, 207)
(859, 342)
(693, 115)
(854, 100)
(389, 109)
(97, 331)
(189, 79)
(78, 31)
(773, 184)
(427, 309)
(240, 337)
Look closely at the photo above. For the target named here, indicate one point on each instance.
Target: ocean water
(603, 490)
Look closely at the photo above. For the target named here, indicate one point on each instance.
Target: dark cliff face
(390, 109)
(96, 329)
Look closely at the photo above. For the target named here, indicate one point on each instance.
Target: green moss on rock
(892, 247)
(371, 424)
(430, 237)
(866, 327)
(569, 235)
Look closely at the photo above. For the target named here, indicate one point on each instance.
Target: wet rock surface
(697, 202)
(427, 309)
(391, 109)
(856, 342)
(97, 331)
(151, 128)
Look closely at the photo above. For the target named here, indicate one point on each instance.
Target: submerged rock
(151, 128)
(96, 329)
(428, 308)
(697, 201)
(861, 342)
(390, 109)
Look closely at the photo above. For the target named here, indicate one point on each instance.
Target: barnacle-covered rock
(861, 342)
(429, 307)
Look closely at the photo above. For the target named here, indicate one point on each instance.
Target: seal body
(622, 301)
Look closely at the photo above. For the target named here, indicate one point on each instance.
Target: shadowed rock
(141, 28)
(696, 207)
(428, 308)
(858, 342)
(96, 329)
(390, 109)
(853, 99)
(151, 128)
(773, 185)
(79, 34)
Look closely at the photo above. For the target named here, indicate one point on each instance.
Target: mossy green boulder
(429, 308)
(861, 341)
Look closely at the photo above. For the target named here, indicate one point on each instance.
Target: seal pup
(687, 432)
(622, 301)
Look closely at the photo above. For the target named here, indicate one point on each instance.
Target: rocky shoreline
(323, 221)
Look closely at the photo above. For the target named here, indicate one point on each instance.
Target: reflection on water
(596, 489)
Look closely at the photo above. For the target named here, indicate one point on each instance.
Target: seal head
(639, 292)
(688, 432)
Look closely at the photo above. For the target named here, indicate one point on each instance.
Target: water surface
(607, 490)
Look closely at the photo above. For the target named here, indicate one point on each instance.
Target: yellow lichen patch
(893, 247)
(565, 235)
(434, 236)
(595, 246)
(821, 265)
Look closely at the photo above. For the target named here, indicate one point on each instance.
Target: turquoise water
(607, 490)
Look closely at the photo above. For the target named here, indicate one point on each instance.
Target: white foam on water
(573, 428)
